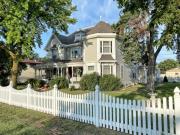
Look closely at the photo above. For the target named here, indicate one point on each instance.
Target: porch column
(39, 73)
(67, 74)
(61, 72)
(35, 73)
(72, 74)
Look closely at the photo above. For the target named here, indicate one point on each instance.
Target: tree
(5, 65)
(22, 22)
(151, 24)
(167, 64)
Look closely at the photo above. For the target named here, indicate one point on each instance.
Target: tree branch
(13, 55)
(158, 50)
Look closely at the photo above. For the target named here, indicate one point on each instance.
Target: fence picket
(171, 114)
(114, 113)
(133, 117)
(139, 116)
(165, 115)
(143, 118)
(122, 117)
(130, 116)
(126, 116)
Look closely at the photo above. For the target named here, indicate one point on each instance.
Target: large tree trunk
(14, 71)
(151, 64)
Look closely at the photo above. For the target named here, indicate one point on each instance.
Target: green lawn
(19, 121)
(133, 92)
(137, 91)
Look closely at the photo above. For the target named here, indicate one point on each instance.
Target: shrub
(109, 83)
(34, 82)
(89, 81)
(61, 82)
(72, 88)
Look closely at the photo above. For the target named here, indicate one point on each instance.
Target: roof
(101, 27)
(106, 57)
(31, 62)
(174, 70)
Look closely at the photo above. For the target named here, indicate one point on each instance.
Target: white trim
(111, 68)
(101, 35)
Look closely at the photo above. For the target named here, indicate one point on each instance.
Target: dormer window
(78, 36)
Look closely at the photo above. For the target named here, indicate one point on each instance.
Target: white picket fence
(148, 117)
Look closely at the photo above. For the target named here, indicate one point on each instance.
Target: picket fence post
(10, 89)
(97, 89)
(177, 109)
(28, 90)
(54, 99)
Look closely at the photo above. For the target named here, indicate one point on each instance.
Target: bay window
(105, 46)
(106, 69)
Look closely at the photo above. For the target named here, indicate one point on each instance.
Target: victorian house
(88, 50)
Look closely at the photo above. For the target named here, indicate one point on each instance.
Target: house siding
(90, 50)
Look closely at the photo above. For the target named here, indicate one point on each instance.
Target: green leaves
(140, 17)
(25, 21)
(167, 64)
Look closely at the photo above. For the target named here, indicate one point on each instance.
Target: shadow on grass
(69, 127)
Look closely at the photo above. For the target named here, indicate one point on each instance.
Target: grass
(133, 92)
(137, 91)
(19, 121)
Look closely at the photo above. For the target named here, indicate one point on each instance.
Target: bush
(61, 82)
(34, 82)
(89, 81)
(72, 88)
(109, 83)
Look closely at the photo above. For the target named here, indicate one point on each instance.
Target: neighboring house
(93, 49)
(173, 75)
(30, 71)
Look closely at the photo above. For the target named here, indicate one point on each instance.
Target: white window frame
(102, 47)
(92, 66)
(111, 69)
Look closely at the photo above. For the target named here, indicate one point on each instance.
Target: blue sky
(88, 14)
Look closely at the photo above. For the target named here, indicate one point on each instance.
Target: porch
(73, 72)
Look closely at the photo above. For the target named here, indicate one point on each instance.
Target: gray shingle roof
(101, 27)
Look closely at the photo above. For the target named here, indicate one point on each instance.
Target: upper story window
(105, 46)
(76, 52)
(79, 36)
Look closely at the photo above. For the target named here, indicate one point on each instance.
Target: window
(106, 69)
(79, 36)
(76, 52)
(90, 68)
(134, 75)
(122, 71)
(105, 46)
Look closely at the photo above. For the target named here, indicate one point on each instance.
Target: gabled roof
(101, 27)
